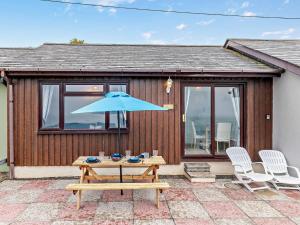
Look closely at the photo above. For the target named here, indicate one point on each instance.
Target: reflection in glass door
(227, 118)
(212, 119)
(197, 120)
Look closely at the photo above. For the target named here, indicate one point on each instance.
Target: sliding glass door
(211, 119)
(197, 120)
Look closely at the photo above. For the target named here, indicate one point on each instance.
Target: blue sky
(32, 22)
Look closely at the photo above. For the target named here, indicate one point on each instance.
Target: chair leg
(157, 198)
(78, 199)
(275, 185)
(242, 182)
(248, 187)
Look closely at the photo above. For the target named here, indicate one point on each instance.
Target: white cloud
(286, 2)
(112, 10)
(147, 35)
(245, 5)
(280, 33)
(67, 8)
(285, 37)
(169, 8)
(206, 22)
(248, 13)
(108, 2)
(100, 8)
(181, 26)
(157, 42)
(231, 11)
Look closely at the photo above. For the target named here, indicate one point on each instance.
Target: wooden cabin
(216, 98)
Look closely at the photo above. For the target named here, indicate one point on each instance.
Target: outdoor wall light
(168, 85)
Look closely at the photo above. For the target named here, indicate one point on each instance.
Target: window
(212, 119)
(59, 100)
(84, 88)
(85, 121)
(50, 104)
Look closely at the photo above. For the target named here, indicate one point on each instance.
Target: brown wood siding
(259, 104)
(148, 130)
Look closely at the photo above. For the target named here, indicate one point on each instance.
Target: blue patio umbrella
(118, 102)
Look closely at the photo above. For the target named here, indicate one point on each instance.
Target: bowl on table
(92, 159)
(116, 157)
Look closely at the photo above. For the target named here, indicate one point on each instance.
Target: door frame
(243, 115)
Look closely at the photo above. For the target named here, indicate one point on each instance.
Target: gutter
(10, 124)
(181, 73)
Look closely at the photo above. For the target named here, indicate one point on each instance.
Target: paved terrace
(46, 202)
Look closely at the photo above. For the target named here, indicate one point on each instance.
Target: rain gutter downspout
(10, 124)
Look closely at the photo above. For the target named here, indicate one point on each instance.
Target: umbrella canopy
(116, 102)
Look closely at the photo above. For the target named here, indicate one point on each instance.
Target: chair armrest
(296, 169)
(237, 165)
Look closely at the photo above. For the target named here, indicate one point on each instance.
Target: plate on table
(134, 160)
(92, 159)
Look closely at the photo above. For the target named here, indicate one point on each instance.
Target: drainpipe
(10, 124)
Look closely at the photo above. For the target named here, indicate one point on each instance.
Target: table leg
(158, 191)
(87, 174)
(155, 174)
(121, 178)
(83, 172)
(157, 198)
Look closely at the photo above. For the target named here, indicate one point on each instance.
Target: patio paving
(45, 202)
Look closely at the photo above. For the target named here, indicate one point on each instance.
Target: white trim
(218, 168)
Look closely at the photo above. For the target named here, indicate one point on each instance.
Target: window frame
(63, 93)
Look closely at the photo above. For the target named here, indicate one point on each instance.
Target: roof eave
(262, 57)
(21, 72)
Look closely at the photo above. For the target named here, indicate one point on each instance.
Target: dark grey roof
(287, 50)
(10, 57)
(126, 57)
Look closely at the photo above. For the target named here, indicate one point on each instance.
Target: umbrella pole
(119, 148)
(119, 132)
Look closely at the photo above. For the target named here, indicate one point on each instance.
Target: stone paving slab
(45, 202)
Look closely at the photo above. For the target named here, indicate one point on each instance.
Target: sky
(30, 23)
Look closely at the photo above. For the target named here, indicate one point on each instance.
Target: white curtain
(48, 91)
(187, 102)
(235, 98)
(187, 99)
(124, 118)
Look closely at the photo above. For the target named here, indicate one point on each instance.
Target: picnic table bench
(88, 174)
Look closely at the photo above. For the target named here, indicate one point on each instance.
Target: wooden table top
(108, 163)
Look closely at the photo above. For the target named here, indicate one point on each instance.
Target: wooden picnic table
(89, 174)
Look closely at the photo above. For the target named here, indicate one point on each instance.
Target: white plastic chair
(276, 165)
(223, 134)
(243, 169)
(197, 138)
